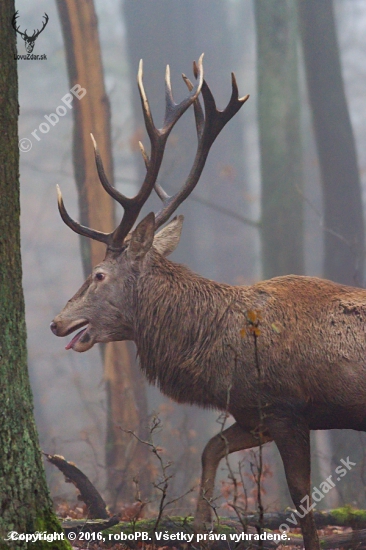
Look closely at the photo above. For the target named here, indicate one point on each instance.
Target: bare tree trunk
(125, 387)
(343, 216)
(24, 499)
(280, 140)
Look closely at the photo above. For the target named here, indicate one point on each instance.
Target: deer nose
(53, 327)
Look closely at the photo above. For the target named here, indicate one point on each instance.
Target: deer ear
(142, 238)
(166, 241)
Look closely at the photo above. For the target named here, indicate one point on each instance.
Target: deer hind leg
(292, 437)
(230, 440)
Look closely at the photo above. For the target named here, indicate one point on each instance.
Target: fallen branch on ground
(86, 525)
(96, 506)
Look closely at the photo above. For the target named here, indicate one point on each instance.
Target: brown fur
(311, 345)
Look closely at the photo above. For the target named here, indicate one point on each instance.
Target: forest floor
(331, 537)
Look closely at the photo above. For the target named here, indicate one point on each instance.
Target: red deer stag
(188, 330)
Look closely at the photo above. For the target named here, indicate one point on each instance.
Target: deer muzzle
(82, 341)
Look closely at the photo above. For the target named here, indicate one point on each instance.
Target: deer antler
(208, 127)
(158, 139)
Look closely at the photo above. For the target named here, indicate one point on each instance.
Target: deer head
(29, 41)
(110, 287)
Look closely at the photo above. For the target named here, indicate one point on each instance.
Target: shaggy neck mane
(176, 312)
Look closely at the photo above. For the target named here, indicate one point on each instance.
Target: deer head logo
(29, 41)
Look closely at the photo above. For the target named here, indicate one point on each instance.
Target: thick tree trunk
(344, 230)
(343, 217)
(126, 399)
(280, 140)
(25, 506)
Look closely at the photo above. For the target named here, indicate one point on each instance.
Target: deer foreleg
(292, 437)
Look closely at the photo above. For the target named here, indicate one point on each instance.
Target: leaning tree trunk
(126, 399)
(24, 500)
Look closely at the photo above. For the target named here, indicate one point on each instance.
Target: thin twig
(254, 323)
(162, 485)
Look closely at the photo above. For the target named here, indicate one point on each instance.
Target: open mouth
(79, 335)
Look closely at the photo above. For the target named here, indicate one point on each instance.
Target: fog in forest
(237, 229)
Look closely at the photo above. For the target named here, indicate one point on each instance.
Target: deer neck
(177, 314)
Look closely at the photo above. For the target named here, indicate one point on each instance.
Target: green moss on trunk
(25, 505)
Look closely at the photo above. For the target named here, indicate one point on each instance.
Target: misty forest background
(278, 195)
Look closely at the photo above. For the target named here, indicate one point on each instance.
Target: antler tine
(198, 111)
(77, 227)
(208, 127)
(149, 123)
(161, 193)
(169, 101)
(112, 191)
(199, 119)
(174, 111)
(144, 155)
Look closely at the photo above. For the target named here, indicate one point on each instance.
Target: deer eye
(100, 276)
